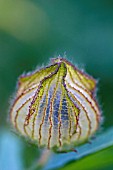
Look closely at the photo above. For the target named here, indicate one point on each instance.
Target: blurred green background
(32, 31)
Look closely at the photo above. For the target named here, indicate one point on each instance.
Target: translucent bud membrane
(55, 106)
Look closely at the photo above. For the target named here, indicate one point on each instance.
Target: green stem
(40, 163)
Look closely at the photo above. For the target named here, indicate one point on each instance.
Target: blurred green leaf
(97, 161)
(23, 20)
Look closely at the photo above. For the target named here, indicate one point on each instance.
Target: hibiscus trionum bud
(55, 106)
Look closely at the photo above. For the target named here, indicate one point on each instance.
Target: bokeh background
(32, 32)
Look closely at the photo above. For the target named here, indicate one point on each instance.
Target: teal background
(32, 32)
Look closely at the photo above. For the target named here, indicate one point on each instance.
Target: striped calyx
(55, 106)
